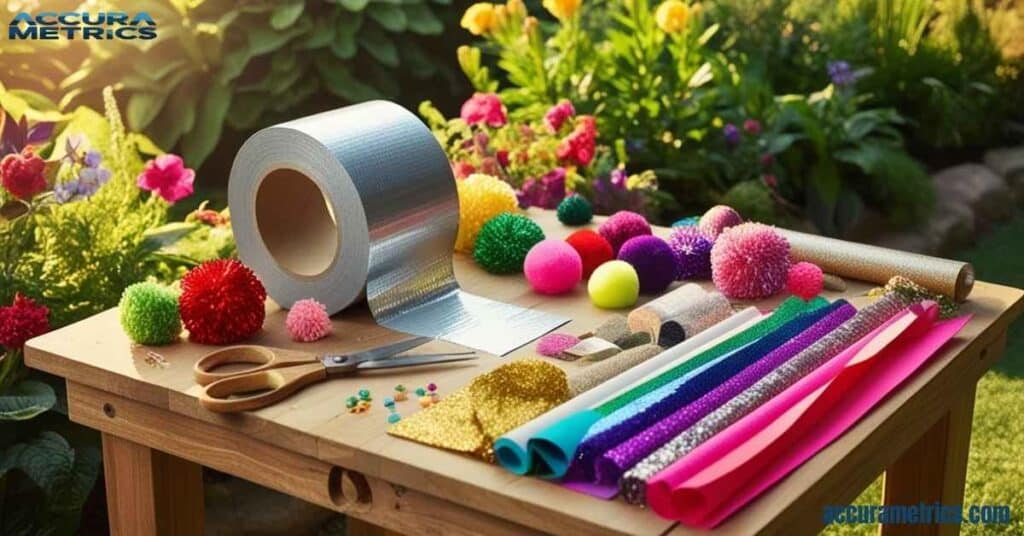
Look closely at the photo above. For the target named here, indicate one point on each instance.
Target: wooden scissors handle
(274, 385)
(263, 357)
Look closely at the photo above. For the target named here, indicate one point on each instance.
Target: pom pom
(553, 344)
(654, 261)
(717, 219)
(805, 280)
(149, 313)
(553, 267)
(308, 321)
(750, 261)
(481, 197)
(622, 226)
(693, 250)
(21, 321)
(594, 250)
(575, 210)
(504, 241)
(221, 302)
(689, 221)
(614, 285)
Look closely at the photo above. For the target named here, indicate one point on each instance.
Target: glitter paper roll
(877, 264)
(360, 202)
(611, 330)
(633, 482)
(701, 313)
(649, 316)
(603, 371)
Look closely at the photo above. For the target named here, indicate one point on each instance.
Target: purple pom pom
(654, 261)
(693, 250)
(622, 226)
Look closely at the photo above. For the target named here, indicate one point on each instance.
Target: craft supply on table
(656, 264)
(622, 226)
(877, 264)
(612, 329)
(481, 197)
(592, 349)
(833, 282)
(750, 261)
(614, 285)
(554, 344)
(504, 241)
(690, 307)
(149, 313)
(400, 393)
(307, 321)
(914, 292)
(693, 250)
(589, 377)
(469, 419)
(278, 373)
(393, 415)
(594, 250)
(221, 302)
(717, 219)
(805, 280)
(633, 340)
(575, 210)
(369, 210)
(553, 267)
(632, 484)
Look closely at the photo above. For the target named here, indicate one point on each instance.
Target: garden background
(894, 121)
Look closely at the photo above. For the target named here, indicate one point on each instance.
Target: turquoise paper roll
(554, 446)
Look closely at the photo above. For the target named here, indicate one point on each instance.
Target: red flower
(21, 321)
(767, 159)
(770, 181)
(579, 145)
(502, 156)
(559, 114)
(461, 170)
(484, 108)
(22, 174)
(752, 127)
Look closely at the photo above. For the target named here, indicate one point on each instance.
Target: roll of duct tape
(360, 202)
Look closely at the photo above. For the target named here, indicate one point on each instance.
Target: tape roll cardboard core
(296, 223)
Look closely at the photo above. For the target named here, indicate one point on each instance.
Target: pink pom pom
(553, 344)
(750, 261)
(622, 226)
(308, 321)
(805, 280)
(717, 219)
(553, 267)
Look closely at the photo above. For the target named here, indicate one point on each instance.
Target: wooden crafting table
(156, 435)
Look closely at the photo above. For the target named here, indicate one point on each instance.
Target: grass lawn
(995, 473)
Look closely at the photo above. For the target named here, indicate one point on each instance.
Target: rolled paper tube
(513, 449)
(649, 316)
(834, 283)
(671, 334)
(864, 322)
(695, 317)
(633, 340)
(599, 373)
(592, 349)
(877, 264)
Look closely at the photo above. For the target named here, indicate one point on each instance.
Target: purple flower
(841, 74)
(92, 159)
(618, 178)
(546, 192)
(65, 191)
(732, 134)
(90, 179)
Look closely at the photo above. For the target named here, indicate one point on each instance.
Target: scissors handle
(227, 395)
(263, 357)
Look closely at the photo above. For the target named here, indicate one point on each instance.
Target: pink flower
(770, 181)
(579, 145)
(502, 156)
(484, 108)
(167, 176)
(558, 115)
(767, 159)
(461, 170)
(752, 127)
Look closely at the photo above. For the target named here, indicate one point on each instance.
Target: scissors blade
(388, 350)
(414, 360)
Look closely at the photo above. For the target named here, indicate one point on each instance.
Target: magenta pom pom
(622, 226)
(693, 250)
(654, 261)
(308, 321)
(750, 261)
(717, 219)
(553, 344)
(553, 267)
(805, 280)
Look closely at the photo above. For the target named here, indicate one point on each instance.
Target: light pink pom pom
(805, 280)
(553, 344)
(750, 261)
(308, 321)
(717, 219)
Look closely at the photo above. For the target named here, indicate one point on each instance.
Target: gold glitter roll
(877, 264)
(603, 371)
(470, 419)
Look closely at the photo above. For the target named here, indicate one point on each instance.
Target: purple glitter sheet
(581, 469)
(613, 463)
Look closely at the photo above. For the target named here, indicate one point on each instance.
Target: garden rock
(1008, 162)
(950, 227)
(979, 188)
(907, 241)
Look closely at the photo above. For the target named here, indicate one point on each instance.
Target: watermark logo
(50, 25)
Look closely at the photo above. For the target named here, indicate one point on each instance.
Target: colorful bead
(364, 394)
(351, 402)
(400, 394)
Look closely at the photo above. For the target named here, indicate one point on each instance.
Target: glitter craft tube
(633, 483)
(603, 371)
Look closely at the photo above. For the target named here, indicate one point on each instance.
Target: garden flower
(618, 178)
(502, 156)
(461, 170)
(90, 179)
(21, 321)
(672, 16)
(92, 159)
(770, 180)
(479, 18)
(562, 9)
(767, 159)
(579, 146)
(484, 108)
(752, 127)
(167, 176)
(22, 174)
(558, 114)
(547, 192)
(841, 73)
(732, 134)
(66, 191)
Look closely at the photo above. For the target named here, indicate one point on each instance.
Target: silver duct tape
(360, 202)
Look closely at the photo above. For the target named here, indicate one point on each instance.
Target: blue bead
(393, 418)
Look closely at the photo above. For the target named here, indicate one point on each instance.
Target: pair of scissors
(279, 373)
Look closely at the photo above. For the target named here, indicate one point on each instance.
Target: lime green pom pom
(149, 313)
(504, 241)
(614, 285)
(575, 210)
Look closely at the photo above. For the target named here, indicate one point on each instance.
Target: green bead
(421, 392)
(149, 313)
(364, 394)
(575, 210)
(504, 241)
(351, 402)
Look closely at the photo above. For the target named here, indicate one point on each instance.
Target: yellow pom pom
(481, 197)
(614, 285)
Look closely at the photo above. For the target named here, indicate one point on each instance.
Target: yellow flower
(672, 16)
(515, 7)
(479, 18)
(562, 9)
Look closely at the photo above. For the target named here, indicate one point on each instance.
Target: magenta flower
(546, 192)
(484, 108)
(167, 176)
(752, 127)
(558, 114)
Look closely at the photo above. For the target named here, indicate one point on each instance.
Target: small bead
(426, 401)
(364, 394)
(351, 402)
(389, 402)
(393, 418)
(420, 391)
(431, 387)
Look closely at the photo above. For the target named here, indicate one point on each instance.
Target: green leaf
(144, 145)
(340, 82)
(422, 20)
(166, 235)
(65, 475)
(392, 18)
(25, 400)
(201, 140)
(379, 46)
(354, 5)
(285, 15)
(344, 45)
(143, 107)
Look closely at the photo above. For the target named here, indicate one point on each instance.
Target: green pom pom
(575, 210)
(149, 313)
(504, 241)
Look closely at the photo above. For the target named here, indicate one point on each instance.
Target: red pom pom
(222, 302)
(594, 250)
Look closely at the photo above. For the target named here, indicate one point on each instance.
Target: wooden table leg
(358, 527)
(933, 470)
(151, 492)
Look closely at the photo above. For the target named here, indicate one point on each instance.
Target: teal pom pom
(504, 241)
(688, 221)
(149, 313)
(575, 210)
